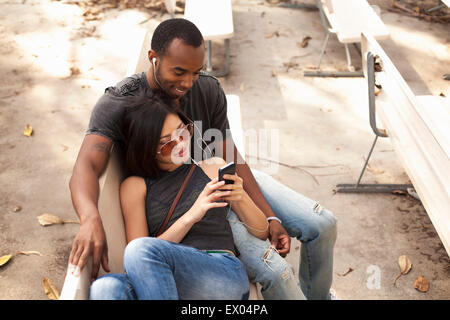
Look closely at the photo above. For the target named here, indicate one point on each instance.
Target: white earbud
(153, 61)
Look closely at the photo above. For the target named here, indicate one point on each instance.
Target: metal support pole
(218, 73)
(209, 49)
(372, 188)
(351, 68)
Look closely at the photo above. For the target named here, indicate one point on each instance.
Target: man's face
(179, 67)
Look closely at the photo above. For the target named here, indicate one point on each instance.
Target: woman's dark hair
(143, 121)
(176, 28)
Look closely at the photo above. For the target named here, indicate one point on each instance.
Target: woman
(194, 256)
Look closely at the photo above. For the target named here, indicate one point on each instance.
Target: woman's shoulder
(211, 166)
(133, 184)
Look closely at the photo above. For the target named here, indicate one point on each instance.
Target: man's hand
(90, 240)
(279, 238)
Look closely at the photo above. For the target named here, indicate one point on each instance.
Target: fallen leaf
(5, 259)
(17, 208)
(417, 9)
(74, 71)
(421, 284)
(28, 130)
(377, 66)
(399, 192)
(290, 65)
(441, 94)
(350, 269)
(50, 289)
(27, 253)
(274, 73)
(270, 35)
(377, 91)
(47, 219)
(304, 42)
(405, 266)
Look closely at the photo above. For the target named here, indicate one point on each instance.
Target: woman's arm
(254, 219)
(132, 199)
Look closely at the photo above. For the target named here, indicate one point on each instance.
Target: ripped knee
(279, 266)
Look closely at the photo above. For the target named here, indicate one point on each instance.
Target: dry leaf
(421, 284)
(5, 259)
(27, 253)
(47, 219)
(274, 73)
(405, 266)
(50, 289)
(74, 71)
(28, 130)
(17, 208)
(275, 33)
(399, 192)
(350, 269)
(304, 42)
(377, 91)
(441, 94)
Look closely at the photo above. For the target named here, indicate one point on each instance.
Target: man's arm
(278, 235)
(84, 187)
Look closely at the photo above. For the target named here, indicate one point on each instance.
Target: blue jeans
(305, 220)
(264, 265)
(156, 269)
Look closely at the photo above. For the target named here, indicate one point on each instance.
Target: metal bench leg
(372, 188)
(351, 68)
(325, 44)
(319, 73)
(218, 73)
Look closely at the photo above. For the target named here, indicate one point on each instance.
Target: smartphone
(230, 168)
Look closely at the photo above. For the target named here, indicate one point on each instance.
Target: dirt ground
(57, 57)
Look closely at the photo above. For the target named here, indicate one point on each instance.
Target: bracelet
(274, 218)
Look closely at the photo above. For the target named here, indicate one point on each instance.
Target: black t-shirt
(205, 104)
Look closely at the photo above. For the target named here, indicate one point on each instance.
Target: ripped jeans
(304, 219)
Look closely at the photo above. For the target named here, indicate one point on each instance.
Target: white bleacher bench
(419, 129)
(214, 19)
(347, 19)
(77, 288)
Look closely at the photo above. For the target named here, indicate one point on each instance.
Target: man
(176, 58)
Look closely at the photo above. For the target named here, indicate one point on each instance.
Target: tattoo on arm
(102, 147)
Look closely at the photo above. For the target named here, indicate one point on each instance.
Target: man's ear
(151, 54)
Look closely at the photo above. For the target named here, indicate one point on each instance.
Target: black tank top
(212, 232)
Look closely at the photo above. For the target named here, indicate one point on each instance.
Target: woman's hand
(207, 200)
(237, 188)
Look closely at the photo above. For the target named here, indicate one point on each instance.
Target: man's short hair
(177, 28)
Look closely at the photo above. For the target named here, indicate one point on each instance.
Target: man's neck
(154, 85)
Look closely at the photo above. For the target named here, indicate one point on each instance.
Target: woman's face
(174, 144)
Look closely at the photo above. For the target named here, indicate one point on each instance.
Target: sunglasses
(182, 134)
